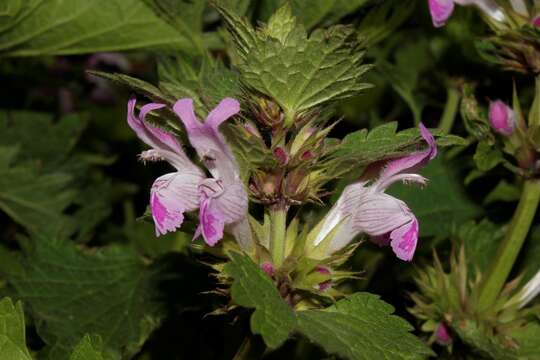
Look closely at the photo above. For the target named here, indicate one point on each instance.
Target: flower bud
(502, 118)
(268, 268)
(443, 335)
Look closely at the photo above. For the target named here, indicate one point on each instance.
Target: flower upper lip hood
(364, 207)
(221, 199)
(441, 10)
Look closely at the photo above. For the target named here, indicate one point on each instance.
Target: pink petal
(379, 213)
(410, 162)
(224, 110)
(208, 141)
(404, 240)
(536, 21)
(440, 11)
(171, 195)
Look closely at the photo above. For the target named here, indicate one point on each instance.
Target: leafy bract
(442, 204)
(70, 292)
(296, 71)
(91, 348)
(57, 27)
(362, 327)
(252, 288)
(12, 331)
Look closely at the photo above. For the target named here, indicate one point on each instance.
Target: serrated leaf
(272, 318)
(442, 204)
(296, 71)
(207, 83)
(70, 293)
(58, 27)
(33, 200)
(12, 331)
(41, 141)
(91, 348)
(362, 327)
(362, 147)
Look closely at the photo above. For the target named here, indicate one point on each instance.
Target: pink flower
(221, 199)
(365, 208)
(536, 21)
(441, 10)
(502, 118)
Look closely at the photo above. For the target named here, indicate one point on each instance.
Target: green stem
(278, 226)
(509, 249)
(450, 110)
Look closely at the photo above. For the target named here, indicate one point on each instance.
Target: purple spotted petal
(440, 11)
(404, 240)
(212, 222)
(171, 195)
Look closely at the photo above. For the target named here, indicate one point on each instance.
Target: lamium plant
(298, 179)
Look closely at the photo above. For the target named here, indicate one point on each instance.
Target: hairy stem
(509, 249)
(278, 225)
(450, 110)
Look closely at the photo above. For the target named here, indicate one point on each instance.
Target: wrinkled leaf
(57, 27)
(362, 327)
(272, 318)
(70, 293)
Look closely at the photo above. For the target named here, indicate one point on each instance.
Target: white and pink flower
(364, 207)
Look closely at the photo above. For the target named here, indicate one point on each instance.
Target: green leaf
(207, 83)
(71, 292)
(504, 191)
(481, 241)
(91, 348)
(383, 142)
(411, 61)
(57, 27)
(33, 200)
(442, 204)
(12, 331)
(42, 142)
(487, 156)
(485, 344)
(528, 338)
(252, 288)
(362, 327)
(383, 21)
(250, 151)
(296, 71)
